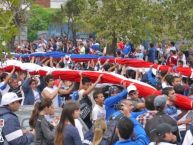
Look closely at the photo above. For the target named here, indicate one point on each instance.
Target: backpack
(110, 136)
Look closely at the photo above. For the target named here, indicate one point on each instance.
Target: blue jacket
(127, 49)
(28, 92)
(141, 137)
(12, 129)
(111, 101)
(151, 79)
(151, 55)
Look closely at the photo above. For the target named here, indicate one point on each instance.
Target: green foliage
(12, 17)
(39, 20)
(140, 20)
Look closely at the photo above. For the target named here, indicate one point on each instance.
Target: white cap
(131, 88)
(9, 98)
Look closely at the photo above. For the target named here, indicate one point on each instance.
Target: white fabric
(4, 91)
(131, 88)
(30, 67)
(36, 95)
(188, 139)
(55, 100)
(98, 112)
(81, 92)
(14, 135)
(79, 127)
(13, 62)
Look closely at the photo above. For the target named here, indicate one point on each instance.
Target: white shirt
(4, 90)
(55, 100)
(78, 125)
(36, 95)
(98, 112)
(80, 94)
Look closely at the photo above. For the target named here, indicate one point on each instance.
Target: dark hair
(96, 93)
(179, 89)
(160, 108)
(125, 127)
(61, 64)
(39, 106)
(166, 90)
(48, 78)
(118, 53)
(169, 79)
(67, 115)
(85, 80)
(172, 43)
(3, 76)
(31, 81)
(149, 102)
(180, 61)
(175, 77)
(191, 89)
(130, 73)
(106, 67)
(151, 45)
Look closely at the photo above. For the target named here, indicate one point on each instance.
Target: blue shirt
(111, 101)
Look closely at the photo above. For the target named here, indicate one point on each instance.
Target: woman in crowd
(66, 132)
(44, 129)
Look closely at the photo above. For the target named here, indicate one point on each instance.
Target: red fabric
(184, 102)
(121, 45)
(144, 89)
(172, 61)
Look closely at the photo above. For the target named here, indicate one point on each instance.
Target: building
(51, 3)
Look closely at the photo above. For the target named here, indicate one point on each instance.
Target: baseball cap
(163, 128)
(131, 88)
(9, 98)
(160, 101)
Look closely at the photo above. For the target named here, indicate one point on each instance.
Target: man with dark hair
(98, 111)
(86, 99)
(160, 117)
(176, 80)
(51, 91)
(151, 53)
(128, 126)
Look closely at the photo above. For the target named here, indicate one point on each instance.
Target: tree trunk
(113, 47)
(10, 44)
(73, 34)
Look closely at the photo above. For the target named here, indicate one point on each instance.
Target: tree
(39, 19)
(14, 13)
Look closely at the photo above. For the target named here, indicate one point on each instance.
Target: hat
(160, 101)
(131, 88)
(113, 90)
(9, 98)
(163, 128)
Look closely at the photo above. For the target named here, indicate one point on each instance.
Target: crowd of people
(113, 114)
